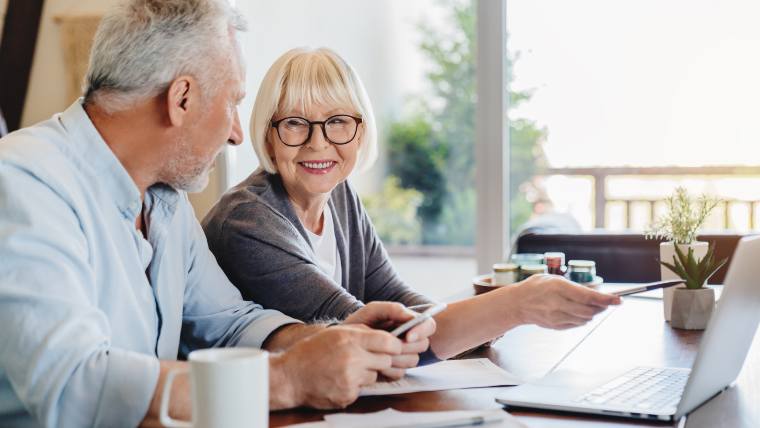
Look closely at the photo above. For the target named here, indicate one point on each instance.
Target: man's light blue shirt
(87, 305)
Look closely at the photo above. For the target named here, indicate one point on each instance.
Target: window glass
(630, 100)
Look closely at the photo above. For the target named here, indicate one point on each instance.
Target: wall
(47, 85)
(3, 7)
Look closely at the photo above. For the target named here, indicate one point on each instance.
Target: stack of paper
(391, 418)
(450, 374)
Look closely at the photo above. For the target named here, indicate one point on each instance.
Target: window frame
(492, 136)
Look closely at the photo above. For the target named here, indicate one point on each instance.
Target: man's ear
(181, 94)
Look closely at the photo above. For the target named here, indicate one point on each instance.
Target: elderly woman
(294, 236)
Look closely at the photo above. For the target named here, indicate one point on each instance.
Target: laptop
(665, 393)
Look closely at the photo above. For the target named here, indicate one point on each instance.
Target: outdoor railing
(599, 176)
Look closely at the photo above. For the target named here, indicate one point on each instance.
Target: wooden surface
(629, 335)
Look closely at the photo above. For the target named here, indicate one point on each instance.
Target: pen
(420, 308)
(650, 286)
(458, 422)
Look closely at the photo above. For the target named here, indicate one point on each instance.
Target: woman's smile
(317, 167)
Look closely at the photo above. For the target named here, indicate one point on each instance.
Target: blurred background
(611, 105)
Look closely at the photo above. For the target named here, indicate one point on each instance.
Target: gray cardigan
(262, 247)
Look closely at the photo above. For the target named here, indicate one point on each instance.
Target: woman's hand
(546, 300)
(552, 301)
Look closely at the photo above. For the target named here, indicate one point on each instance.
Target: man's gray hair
(142, 45)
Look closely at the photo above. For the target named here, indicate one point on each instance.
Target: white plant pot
(692, 309)
(667, 251)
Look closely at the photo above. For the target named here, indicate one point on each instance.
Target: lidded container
(581, 271)
(555, 263)
(521, 259)
(528, 270)
(504, 273)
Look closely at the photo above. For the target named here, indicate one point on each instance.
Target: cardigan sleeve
(259, 251)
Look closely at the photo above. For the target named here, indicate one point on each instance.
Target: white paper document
(450, 374)
(391, 418)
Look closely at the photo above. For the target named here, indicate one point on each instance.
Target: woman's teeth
(318, 165)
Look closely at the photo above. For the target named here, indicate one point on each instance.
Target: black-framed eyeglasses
(296, 131)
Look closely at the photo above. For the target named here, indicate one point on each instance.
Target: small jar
(527, 259)
(504, 273)
(555, 263)
(581, 271)
(527, 270)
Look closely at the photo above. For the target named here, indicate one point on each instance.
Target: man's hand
(554, 302)
(327, 370)
(387, 315)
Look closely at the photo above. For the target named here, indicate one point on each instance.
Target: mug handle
(167, 420)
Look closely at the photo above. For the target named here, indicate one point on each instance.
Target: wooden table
(632, 334)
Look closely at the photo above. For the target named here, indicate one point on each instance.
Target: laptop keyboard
(643, 389)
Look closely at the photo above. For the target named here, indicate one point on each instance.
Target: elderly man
(105, 275)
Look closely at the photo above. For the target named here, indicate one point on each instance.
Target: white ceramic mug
(230, 389)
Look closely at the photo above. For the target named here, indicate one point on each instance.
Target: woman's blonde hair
(301, 78)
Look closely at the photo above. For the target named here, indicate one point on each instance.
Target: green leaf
(681, 256)
(707, 262)
(691, 264)
(676, 268)
(712, 272)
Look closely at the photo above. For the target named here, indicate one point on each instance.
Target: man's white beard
(194, 184)
(186, 171)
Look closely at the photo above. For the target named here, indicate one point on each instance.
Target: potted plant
(679, 226)
(693, 304)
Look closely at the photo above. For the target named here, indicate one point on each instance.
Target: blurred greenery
(394, 212)
(432, 150)
(418, 160)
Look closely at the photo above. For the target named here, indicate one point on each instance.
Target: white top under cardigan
(326, 248)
